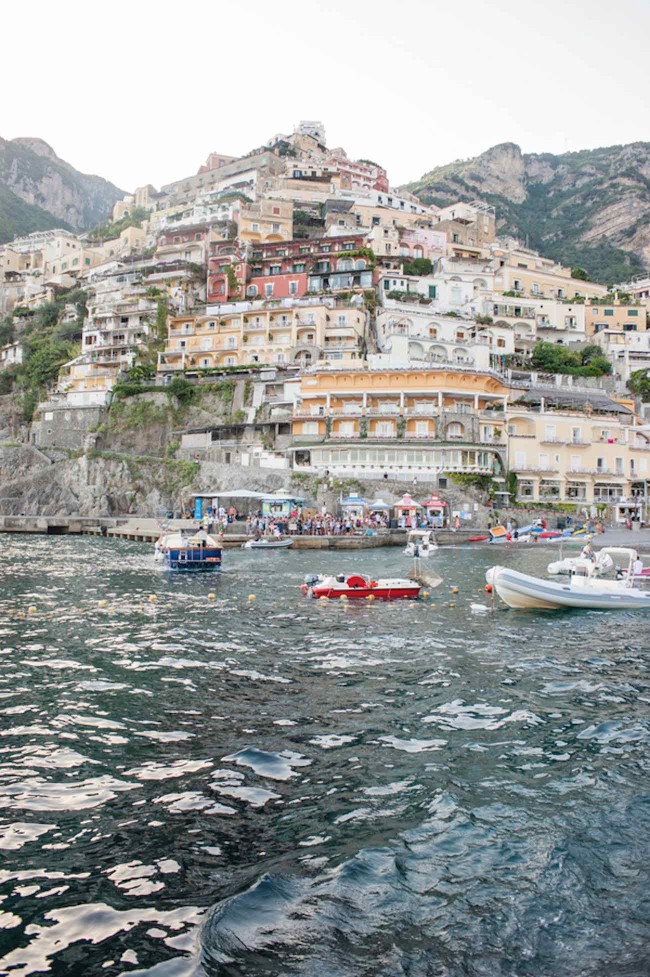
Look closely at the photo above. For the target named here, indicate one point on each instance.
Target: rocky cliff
(590, 208)
(39, 191)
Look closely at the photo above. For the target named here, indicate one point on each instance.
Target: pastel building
(263, 333)
(422, 422)
(412, 335)
(575, 446)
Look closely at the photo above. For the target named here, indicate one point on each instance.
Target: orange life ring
(373, 583)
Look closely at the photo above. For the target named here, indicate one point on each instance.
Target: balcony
(532, 468)
(384, 410)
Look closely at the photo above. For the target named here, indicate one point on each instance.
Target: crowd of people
(321, 524)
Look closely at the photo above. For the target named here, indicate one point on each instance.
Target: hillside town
(372, 336)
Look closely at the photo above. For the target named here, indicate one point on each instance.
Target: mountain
(590, 208)
(39, 191)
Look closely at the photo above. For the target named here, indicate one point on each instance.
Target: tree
(418, 266)
(580, 273)
(552, 358)
(639, 385)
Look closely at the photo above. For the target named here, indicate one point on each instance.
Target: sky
(140, 92)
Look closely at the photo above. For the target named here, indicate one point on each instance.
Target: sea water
(282, 786)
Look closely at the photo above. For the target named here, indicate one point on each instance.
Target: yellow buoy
(370, 597)
(454, 590)
(31, 609)
(344, 596)
(323, 598)
(252, 597)
(212, 596)
(152, 598)
(425, 593)
(102, 603)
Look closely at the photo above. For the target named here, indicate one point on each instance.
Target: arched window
(344, 264)
(455, 431)
(360, 265)
(252, 290)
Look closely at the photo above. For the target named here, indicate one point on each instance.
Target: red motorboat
(356, 587)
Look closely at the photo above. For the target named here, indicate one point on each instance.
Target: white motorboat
(420, 543)
(601, 563)
(268, 543)
(584, 589)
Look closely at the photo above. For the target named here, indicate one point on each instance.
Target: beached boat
(270, 543)
(420, 543)
(357, 587)
(179, 550)
(584, 589)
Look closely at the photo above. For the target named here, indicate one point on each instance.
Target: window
(632, 311)
(549, 432)
(293, 288)
(455, 431)
(421, 429)
(455, 239)
(575, 463)
(433, 291)
(275, 228)
(576, 435)
(608, 312)
(536, 288)
(255, 227)
(619, 466)
(252, 291)
(230, 360)
(197, 237)
(276, 210)
(516, 285)
(543, 463)
(231, 342)
(268, 289)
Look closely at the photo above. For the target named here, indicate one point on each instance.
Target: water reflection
(196, 786)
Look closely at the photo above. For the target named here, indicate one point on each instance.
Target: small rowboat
(272, 543)
(356, 587)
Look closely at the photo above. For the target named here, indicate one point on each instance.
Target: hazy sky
(141, 92)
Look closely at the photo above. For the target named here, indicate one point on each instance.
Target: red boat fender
(355, 581)
(373, 583)
(477, 539)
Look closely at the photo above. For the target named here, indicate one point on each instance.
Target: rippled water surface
(286, 787)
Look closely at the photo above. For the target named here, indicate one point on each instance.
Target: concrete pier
(145, 530)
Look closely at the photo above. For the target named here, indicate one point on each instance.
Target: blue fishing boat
(179, 550)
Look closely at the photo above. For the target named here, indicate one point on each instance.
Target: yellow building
(527, 274)
(579, 447)
(265, 222)
(614, 318)
(410, 422)
(250, 333)
(87, 383)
